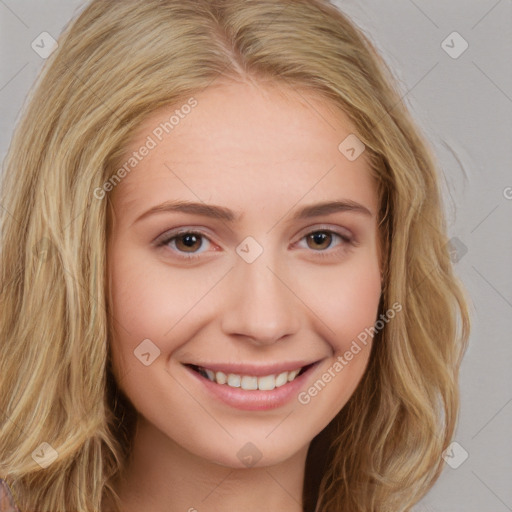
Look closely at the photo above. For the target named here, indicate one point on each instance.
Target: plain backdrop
(462, 98)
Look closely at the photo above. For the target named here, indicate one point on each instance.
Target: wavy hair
(115, 64)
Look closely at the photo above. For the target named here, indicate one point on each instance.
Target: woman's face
(228, 260)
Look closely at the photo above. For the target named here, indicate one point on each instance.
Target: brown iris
(320, 237)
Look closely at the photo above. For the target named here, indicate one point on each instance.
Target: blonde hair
(116, 63)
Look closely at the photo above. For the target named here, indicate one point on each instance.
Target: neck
(162, 476)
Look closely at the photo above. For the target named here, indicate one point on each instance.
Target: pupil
(189, 240)
(320, 238)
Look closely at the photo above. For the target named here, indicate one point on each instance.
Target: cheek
(345, 299)
(347, 307)
(150, 302)
(146, 301)
(138, 306)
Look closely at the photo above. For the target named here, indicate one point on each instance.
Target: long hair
(65, 429)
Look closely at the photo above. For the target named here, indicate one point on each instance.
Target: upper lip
(257, 370)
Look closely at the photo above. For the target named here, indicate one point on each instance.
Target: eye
(322, 239)
(186, 243)
(190, 244)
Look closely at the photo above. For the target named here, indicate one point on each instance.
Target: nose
(260, 303)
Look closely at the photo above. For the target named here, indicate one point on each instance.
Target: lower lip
(254, 400)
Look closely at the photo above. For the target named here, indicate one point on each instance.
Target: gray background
(464, 105)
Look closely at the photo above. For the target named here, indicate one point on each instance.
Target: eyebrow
(225, 214)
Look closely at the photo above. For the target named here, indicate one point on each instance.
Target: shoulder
(7, 503)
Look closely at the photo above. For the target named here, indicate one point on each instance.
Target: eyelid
(171, 233)
(165, 238)
(338, 230)
(345, 232)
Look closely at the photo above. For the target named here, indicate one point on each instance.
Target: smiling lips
(247, 381)
(252, 387)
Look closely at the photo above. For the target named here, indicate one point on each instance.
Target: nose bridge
(261, 305)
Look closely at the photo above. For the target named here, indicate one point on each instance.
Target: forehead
(247, 145)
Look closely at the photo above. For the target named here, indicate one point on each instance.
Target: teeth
(234, 380)
(267, 383)
(281, 379)
(292, 375)
(251, 382)
(220, 377)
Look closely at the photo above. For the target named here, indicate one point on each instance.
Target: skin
(264, 151)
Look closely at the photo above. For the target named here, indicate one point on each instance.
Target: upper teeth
(251, 382)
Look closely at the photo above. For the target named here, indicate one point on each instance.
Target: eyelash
(164, 240)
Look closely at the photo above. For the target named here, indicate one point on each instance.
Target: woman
(264, 368)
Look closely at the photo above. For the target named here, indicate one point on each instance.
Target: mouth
(249, 382)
